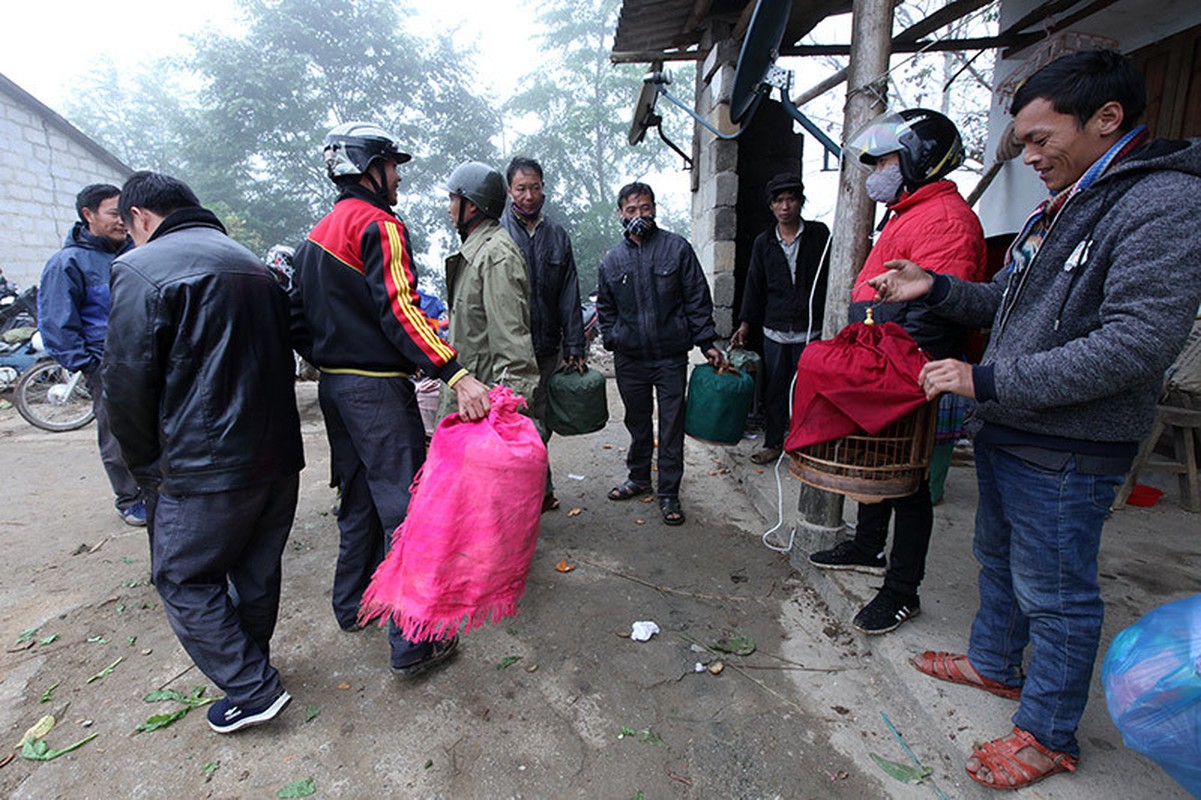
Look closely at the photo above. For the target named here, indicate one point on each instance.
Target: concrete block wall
(43, 165)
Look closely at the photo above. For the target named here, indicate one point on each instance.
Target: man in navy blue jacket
(73, 306)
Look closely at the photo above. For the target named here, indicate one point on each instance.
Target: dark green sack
(718, 403)
(576, 403)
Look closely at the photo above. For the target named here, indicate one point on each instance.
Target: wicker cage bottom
(871, 468)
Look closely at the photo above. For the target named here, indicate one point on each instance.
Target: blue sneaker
(224, 717)
(135, 515)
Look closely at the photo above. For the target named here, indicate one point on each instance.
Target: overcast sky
(49, 45)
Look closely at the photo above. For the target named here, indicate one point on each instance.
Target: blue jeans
(1037, 536)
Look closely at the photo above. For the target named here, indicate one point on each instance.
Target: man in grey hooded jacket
(1096, 299)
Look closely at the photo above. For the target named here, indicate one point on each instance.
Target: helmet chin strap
(380, 187)
(464, 223)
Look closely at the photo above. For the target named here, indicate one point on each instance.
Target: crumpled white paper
(643, 630)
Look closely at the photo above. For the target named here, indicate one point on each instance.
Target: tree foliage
(580, 104)
(250, 141)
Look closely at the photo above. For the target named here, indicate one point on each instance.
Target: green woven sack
(576, 403)
(717, 405)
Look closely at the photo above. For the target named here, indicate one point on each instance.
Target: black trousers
(779, 365)
(640, 382)
(377, 444)
(910, 539)
(215, 560)
(125, 488)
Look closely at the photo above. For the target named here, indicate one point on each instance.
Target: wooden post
(867, 85)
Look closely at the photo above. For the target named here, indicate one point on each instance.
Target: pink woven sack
(461, 556)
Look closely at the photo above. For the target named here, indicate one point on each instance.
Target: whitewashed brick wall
(43, 165)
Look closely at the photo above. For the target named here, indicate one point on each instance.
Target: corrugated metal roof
(671, 26)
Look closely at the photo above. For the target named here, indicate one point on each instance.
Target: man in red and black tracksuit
(356, 316)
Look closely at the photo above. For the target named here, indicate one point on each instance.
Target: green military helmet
(351, 147)
(482, 185)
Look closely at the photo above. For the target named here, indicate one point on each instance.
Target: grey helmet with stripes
(350, 149)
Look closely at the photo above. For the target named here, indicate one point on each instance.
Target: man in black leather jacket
(199, 391)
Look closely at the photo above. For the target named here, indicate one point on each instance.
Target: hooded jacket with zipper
(198, 371)
(935, 228)
(556, 320)
(73, 298)
(355, 306)
(653, 300)
(1082, 336)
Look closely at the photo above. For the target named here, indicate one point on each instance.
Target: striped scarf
(1036, 227)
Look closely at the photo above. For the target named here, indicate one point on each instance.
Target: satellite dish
(760, 48)
(644, 109)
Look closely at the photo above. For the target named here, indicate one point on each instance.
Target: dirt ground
(533, 707)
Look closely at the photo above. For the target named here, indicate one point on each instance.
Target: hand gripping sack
(461, 556)
(718, 403)
(576, 403)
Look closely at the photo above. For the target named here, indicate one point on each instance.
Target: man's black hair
(1080, 83)
(154, 192)
(525, 165)
(633, 189)
(92, 195)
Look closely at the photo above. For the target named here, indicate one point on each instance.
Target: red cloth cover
(461, 556)
(858, 382)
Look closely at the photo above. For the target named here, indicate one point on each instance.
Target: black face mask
(638, 226)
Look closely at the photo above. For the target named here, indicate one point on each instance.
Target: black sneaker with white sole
(845, 555)
(225, 717)
(886, 612)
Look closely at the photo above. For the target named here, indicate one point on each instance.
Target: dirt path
(547, 725)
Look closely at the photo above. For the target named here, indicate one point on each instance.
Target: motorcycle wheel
(45, 397)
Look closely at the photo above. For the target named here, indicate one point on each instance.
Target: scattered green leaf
(128, 560)
(149, 605)
(310, 713)
(193, 700)
(212, 767)
(645, 735)
(97, 640)
(157, 721)
(25, 635)
(511, 631)
(39, 729)
(38, 750)
(132, 640)
(738, 645)
(507, 662)
(48, 695)
(132, 583)
(638, 795)
(107, 670)
(51, 639)
(902, 772)
(429, 763)
(626, 730)
(120, 608)
(300, 788)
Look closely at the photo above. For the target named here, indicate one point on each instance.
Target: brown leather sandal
(948, 667)
(1000, 758)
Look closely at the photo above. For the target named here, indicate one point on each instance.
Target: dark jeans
(215, 559)
(125, 488)
(1038, 532)
(640, 382)
(910, 538)
(540, 407)
(779, 365)
(377, 444)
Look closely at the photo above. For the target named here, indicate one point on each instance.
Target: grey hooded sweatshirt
(1082, 336)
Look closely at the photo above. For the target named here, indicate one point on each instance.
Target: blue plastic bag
(1152, 679)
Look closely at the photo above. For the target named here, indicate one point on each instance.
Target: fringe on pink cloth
(461, 556)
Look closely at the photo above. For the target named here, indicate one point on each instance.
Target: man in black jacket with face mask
(653, 306)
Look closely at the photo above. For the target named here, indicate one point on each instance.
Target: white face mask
(884, 185)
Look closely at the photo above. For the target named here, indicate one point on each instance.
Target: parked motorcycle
(20, 347)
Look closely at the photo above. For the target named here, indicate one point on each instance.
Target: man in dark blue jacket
(73, 317)
(653, 306)
(199, 370)
(556, 320)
